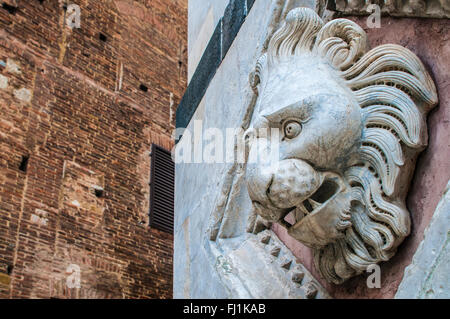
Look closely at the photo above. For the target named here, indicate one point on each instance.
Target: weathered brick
(71, 105)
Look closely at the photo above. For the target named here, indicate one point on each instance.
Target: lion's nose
(293, 182)
(258, 182)
(282, 185)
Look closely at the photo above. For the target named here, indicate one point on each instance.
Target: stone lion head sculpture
(351, 125)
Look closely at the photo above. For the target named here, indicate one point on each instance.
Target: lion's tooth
(313, 203)
(306, 207)
(300, 212)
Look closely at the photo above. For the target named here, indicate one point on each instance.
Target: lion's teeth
(313, 203)
(300, 212)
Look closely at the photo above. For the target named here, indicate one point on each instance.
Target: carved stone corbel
(351, 123)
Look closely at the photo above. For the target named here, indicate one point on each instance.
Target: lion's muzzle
(281, 186)
(317, 201)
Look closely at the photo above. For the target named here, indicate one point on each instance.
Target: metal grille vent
(162, 188)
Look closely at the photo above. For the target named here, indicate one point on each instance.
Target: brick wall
(74, 117)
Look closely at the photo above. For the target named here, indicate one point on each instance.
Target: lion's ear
(342, 42)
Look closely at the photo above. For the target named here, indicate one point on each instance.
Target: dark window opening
(102, 37)
(24, 163)
(9, 269)
(98, 192)
(10, 9)
(162, 188)
(143, 87)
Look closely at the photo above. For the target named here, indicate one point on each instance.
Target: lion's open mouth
(311, 205)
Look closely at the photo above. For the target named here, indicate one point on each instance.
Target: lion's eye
(292, 129)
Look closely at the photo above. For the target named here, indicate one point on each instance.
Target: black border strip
(224, 34)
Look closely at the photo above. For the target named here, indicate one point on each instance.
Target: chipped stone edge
(428, 253)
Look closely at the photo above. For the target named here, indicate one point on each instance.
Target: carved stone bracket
(351, 123)
(396, 8)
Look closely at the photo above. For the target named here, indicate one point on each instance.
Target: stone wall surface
(222, 106)
(194, 273)
(79, 110)
(203, 16)
(427, 275)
